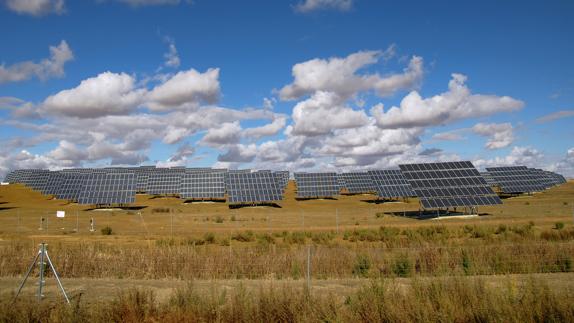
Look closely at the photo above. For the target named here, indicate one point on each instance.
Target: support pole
(309, 268)
(27, 274)
(337, 219)
(41, 264)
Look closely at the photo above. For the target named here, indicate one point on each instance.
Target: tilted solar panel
(316, 185)
(104, 188)
(282, 178)
(165, 182)
(489, 179)
(203, 184)
(53, 184)
(517, 179)
(358, 182)
(257, 187)
(341, 182)
(71, 186)
(391, 183)
(37, 179)
(449, 184)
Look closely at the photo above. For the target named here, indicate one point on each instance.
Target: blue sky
(299, 85)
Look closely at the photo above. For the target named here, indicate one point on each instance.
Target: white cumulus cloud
(339, 75)
(106, 94)
(499, 135)
(456, 104)
(47, 68)
(36, 7)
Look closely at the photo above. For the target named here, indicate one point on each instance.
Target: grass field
(360, 256)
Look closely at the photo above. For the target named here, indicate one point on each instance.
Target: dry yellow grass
(22, 208)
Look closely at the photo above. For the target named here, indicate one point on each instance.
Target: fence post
(309, 268)
(337, 219)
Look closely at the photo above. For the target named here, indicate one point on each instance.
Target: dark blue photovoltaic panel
(449, 184)
(257, 187)
(357, 182)
(316, 185)
(103, 188)
(203, 184)
(516, 179)
(391, 183)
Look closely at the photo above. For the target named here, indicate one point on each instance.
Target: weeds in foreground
(436, 300)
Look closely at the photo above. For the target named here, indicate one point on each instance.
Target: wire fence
(101, 260)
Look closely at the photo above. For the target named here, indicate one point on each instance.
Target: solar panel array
(516, 179)
(391, 183)
(449, 184)
(203, 184)
(556, 179)
(250, 188)
(106, 188)
(357, 182)
(438, 185)
(316, 185)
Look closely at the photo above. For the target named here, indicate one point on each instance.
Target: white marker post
(61, 215)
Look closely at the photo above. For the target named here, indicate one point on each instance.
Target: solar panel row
(517, 179)
(449, 184)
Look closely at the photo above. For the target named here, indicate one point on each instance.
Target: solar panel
(203, 184)
(557, 179)
(165, 181)
(490, 180)
(517, 179)
(72, 184)
(341, 182)
(36, 179)
(449, 184)
(257, 187)
(282, 178)
(103, 188)
(391, 183)
(316, 185)
(357, 182)
(53, 184)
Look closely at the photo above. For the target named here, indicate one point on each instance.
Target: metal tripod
(44, 258)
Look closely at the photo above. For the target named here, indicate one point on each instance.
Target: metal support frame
(44, 257)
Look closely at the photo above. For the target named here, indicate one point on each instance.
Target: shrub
(209, 237)
(559, 225)
(233, 218)
(295, 238)
(266, 238)
(219, 219)
(107, 230)
(465, 263)
(246, 236)
(160, 210)
(362, 266)
(402, 266)
(501, 229)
